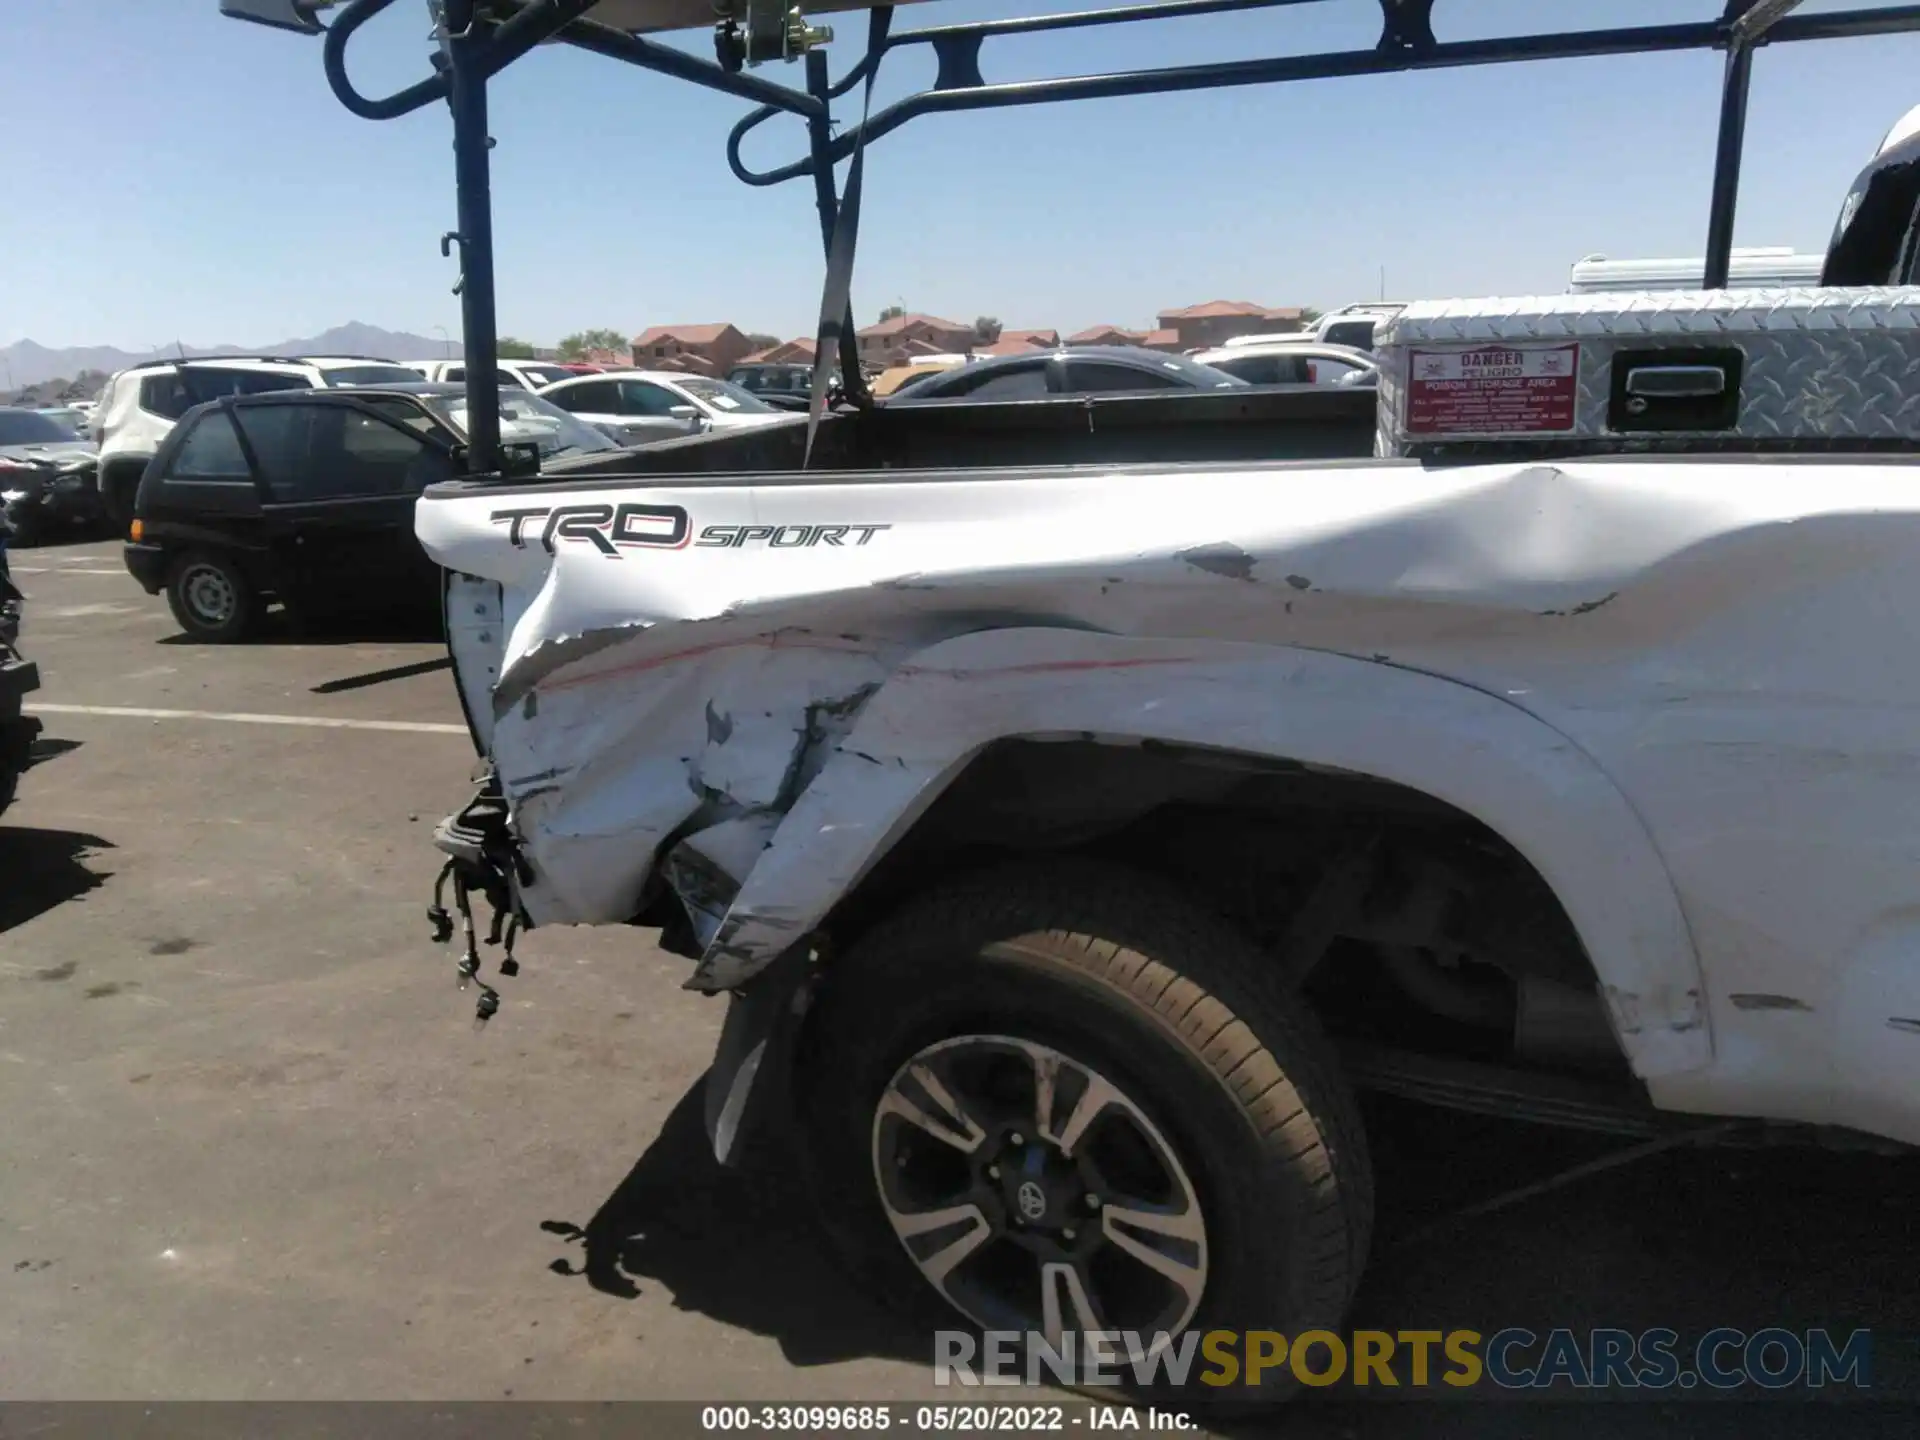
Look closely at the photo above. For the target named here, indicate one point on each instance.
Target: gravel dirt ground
(255, 1149)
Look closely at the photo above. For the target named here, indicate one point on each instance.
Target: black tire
(24, 528)
(212, 598)
(118, 487)
(1128, 979)
(16, 747)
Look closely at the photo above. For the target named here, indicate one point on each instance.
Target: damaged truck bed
(1079, 800)
(1061, 793)
(1668, 684)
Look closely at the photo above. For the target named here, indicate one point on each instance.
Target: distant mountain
(26, 363)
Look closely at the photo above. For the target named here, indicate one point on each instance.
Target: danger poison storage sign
(1492, 390)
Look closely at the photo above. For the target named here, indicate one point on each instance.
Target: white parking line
(317, 722)
(60, 570)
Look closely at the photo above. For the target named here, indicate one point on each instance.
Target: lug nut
(1016, 1139)
(993, 1172)
(1093, 1201)
(1067, 1234)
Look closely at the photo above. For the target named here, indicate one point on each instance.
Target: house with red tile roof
(1107, 335)
(1217, 321)
(908, 349)
(702, 349)
(792, 352)
(1018, 342)
(886, 343)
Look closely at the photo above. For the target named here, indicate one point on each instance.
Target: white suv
(138, 406)
(1350, 325)
(527, 374)
(1293, 360)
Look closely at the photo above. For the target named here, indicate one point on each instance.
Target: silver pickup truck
(1080, 800)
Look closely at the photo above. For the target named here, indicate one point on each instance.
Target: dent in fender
(1495, 762)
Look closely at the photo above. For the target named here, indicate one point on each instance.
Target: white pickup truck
(526, 374)
(1080, 800)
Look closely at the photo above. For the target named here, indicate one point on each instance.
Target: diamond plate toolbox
(1654, 370)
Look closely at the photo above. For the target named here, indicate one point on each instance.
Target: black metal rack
(479, 38)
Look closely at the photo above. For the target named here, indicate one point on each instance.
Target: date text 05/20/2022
(969, 1419)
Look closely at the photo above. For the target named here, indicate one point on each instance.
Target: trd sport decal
(666, 527)
(787, 537)
(662, 527)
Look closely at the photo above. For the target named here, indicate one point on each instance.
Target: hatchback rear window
(211, 451)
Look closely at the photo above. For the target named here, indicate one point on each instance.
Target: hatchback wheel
(1067, 1099)
(211, 598)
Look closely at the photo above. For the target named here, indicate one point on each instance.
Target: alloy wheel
(1034, 1194)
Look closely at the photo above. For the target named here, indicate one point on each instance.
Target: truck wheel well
(1404, 921)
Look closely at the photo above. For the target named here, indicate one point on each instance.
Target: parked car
(306, 497)
(47, 474)
(76, 419)
(897, 378)
(1355, 325)
(1082, 370)
(643, 406)
(1285, 363)
(19, 677)
(784, 386)
(527, 374)
(1351, 325)
(139, 405)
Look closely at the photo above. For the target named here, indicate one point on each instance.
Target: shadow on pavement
(41, 869)
(1689, 1240)
(740, 1246)
(47, 748)
(403, 625)
(381, 677)
(1745, 1236)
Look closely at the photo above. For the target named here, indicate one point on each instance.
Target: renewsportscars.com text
(1514, 1358)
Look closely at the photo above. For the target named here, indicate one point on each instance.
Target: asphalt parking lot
(255, 1149)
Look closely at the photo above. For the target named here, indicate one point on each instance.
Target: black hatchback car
(306, 497)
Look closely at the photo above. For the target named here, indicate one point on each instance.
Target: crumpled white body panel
(1686, 690)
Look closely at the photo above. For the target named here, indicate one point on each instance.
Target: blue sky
(173, 175)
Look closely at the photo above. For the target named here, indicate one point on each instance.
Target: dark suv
(787, 386)
(306, 497)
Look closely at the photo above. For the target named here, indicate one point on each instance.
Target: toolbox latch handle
(1675, 389)
(1672, 382)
